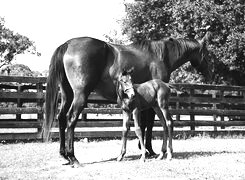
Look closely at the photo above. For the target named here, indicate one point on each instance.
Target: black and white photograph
(122, 89)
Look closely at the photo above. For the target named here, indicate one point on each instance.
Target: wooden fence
(217, 108)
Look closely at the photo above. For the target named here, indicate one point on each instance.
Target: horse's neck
(176, 63)
(184, 57)
(181, 51)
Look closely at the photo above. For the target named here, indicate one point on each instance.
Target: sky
(49, 23)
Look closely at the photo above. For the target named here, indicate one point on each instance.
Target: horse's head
(202, 60)
(125, 85)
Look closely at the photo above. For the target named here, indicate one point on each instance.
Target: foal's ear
(127, 71)
(131, 70)
(124, 72)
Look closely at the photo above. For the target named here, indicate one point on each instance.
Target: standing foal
(135, 98)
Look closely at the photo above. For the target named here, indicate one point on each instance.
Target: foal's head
(125, 85)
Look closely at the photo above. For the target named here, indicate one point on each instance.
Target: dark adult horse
(84, 64)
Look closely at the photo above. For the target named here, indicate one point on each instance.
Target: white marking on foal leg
(125, 130)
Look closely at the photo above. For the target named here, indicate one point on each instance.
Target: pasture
(195, 158)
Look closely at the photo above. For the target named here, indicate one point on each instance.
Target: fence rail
(22, 113)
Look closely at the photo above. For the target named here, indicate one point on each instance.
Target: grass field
(195, 158)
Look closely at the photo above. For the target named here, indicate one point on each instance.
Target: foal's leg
(169, 123)
(143, 124)
(77, 106)
(125, 129)
(165, 133)
(138, 132)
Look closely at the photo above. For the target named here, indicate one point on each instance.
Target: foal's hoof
(142, 159)
(169, 157)
(160, 157)
(119, 158)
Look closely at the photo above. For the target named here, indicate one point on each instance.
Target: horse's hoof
(150, 153)
(64, 156)
(76, 165)
(68, 163)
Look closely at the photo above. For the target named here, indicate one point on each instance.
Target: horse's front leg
(138, 132)
(125, 129)
(149, 117)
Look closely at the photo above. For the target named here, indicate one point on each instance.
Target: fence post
(192, 116)
(19, 102)
(84, 115)
(177, 107)
(40, 117)
(214, 108)
(222, 107)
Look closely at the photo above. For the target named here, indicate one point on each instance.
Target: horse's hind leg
(78, 104)
(66, 100)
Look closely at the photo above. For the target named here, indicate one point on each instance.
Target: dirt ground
(195, 158)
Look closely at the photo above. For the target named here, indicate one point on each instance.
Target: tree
(12, 44)
(19, 70)
(153, 19)
(147, 20)
(115, 36)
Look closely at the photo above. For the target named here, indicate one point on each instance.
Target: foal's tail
(177, 89)
(56, 74)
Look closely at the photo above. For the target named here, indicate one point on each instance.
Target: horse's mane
(155, 48)
(162, 47)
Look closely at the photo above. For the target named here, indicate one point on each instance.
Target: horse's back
(84, 45)
(84, 61)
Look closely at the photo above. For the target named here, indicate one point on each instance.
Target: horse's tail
(56, 74)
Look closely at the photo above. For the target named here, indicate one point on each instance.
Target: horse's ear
(170, 39)
(206, 38)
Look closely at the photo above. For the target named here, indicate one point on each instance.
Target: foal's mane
(162, 48)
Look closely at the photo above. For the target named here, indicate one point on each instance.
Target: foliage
(153, 20)
(12, 44)
(116, 37)
(19, 70)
